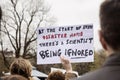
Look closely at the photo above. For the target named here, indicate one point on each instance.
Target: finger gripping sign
(73, 42)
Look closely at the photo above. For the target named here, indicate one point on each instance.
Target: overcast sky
(74, 12)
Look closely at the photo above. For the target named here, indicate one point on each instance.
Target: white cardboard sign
(73, 42)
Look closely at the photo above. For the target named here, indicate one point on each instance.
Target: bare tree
(20, 21)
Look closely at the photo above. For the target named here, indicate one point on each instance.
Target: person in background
(21, 67)
(110, 40)
(59, 75)
(56, 75)
(13, 77)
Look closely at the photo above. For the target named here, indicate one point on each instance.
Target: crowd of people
(22, 69)
(109, 35)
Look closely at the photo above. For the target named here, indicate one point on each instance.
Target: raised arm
(68, 67)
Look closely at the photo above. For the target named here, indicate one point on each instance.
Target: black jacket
(109, 71)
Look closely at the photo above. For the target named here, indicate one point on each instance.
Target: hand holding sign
(66, 64)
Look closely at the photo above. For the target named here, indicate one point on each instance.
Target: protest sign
(73, 42)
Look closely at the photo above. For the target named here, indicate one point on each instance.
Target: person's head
(14, 77)
(56, 75)
(110, 24)
(22, 67)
